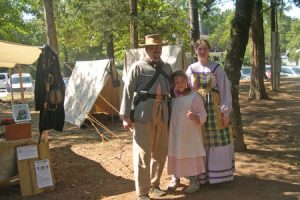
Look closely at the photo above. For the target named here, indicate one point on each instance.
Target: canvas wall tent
(172, 54)
(90, 82)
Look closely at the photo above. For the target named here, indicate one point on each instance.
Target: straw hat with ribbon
(153, 40)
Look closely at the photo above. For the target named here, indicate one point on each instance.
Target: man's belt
(144, 95)
(157, 96)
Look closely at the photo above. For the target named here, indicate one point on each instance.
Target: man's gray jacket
(140, 73)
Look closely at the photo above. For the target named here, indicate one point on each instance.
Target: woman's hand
(225, 120)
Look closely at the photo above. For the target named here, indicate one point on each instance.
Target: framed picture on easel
(21, 112)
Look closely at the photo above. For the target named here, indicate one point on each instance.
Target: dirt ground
(87, 168)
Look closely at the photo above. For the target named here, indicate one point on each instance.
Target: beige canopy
(13, 53)
(6, 64)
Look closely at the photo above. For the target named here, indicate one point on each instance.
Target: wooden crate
(17, 131)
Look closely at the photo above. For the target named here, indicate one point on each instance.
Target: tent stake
(99, 133)
(102, 125)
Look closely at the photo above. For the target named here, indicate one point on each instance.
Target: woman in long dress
(210, 80)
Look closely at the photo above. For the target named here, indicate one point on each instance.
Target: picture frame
(21, 112)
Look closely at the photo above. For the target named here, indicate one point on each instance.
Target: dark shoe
(194, 186)
(157, 192)
(144, 197)
(174, 183)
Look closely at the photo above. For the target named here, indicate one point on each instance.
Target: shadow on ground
(73, 170)
(246, 188)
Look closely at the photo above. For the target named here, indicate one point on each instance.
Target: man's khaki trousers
(150, 149)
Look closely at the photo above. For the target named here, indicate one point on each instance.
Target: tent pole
(46, 136)
(21, 81)
(10, 85)
(111, 97)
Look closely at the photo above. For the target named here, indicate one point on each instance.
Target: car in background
(66, 81)
(268, 71)
(4, 82)
(290, 71)
(245, 73)
(28, 85)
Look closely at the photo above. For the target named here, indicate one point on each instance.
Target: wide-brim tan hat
(153, 40)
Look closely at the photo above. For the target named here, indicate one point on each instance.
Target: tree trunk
(50, 25)
(275, 49)
(65, 68)
(257, 58)
(142, 19)
(133, 24)
(194, 25)
(110, 46)
(239, 38)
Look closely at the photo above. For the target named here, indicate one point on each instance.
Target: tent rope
(68, 66)
(121, 145)
(99, 133)
(102, 125)
(109, 103)
(91, 117)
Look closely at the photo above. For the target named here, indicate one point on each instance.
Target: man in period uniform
(146, 95)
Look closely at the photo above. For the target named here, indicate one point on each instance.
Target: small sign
(21, 112)
(43, 173)
(27, 152)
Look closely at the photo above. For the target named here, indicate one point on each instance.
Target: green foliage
(284, 24)
(286, 35)
(83, 26)
(206, 7)
(75, 35)
(11, 23)
(116, 22)
(164, 17)
(220, 36)
(294, 42)
(297, 3)
(13, 27)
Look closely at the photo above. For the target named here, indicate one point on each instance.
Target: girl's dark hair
(182, 74)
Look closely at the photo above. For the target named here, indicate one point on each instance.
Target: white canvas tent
(172, 54)
(93, 88)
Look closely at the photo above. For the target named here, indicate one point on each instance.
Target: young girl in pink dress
(186, 152)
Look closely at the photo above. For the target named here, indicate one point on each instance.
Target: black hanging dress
(52, 114)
